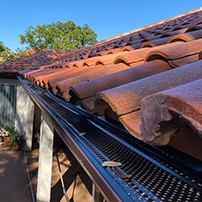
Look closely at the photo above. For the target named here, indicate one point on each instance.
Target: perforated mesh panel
(148, 181)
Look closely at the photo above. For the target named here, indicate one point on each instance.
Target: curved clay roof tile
(134, 37)
(144, 40)
(83, 70)
(165, 35)
(157, 33)
(160, 41)
(84, 56)
(184, 100)
(128, 48)
(187, 36)
(116, 50)
(38, 77)
(133, 42)
(176, 28)
(57, 74)
(102, 53)
(132, 56)
(99, 63)
(90, 61)
(199, 22)
(85, 64)
(38, 72)
(192, 28)
(185, 23)
(64, 86)
(176, 51)
(91, 87)
(132, 93)
(75, 66)
(110, 47)
(148, 45)
(92, 55)
(107, 59)
(181, 37)
(78, 64)
(27, 74)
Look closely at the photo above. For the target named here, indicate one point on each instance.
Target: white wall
(24, 117)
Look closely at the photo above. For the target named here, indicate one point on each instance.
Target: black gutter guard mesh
(145, 174)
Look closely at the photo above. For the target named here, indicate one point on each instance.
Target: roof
(147, 79)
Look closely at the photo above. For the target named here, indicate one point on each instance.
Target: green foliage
(2, 47)
(11, 131)
(14, 135)
(7, 55)
(66, 36)
(19, 139)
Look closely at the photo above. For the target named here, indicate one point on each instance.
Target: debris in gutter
(82, 134)
(111, 164)
(114, 164)
(121, 174)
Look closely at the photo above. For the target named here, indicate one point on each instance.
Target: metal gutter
(66, 134)
(154, 178)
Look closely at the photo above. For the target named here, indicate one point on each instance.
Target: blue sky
(107, 17)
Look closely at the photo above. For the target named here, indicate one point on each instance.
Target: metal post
(96, 195)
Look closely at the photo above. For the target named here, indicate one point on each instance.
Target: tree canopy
(2, 47)
(7, 55)
(66, 36)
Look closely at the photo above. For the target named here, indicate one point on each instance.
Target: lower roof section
(145, 174)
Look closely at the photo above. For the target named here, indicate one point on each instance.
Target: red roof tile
(184, 100)
(64, 86)
(126, 99)
(91, 87)
(112, 77)
(80, 71)
(173, 53)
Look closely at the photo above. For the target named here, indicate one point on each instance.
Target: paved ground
(14, 186)
(77, 184)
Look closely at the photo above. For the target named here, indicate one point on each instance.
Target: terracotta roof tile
(53, 82)
(27, 73)
(55, 74)
(134, 45)
(44, 57)
(138, 55)
(192, 28)
(184, 100)
(64, 86)
(130, 94)
(175, 53)
(187, 36)
(198, 21)
(128, 48)
(156, 42)
(132, 56)
(116, 50)
(91, 87)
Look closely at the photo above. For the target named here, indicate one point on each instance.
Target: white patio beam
(45, 162)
